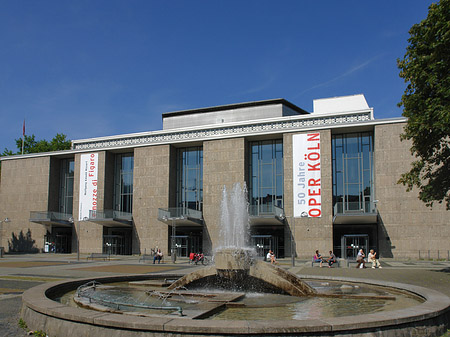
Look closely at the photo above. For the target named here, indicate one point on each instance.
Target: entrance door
(351, 244)
(264, 243)
(59, 241)
(113, 244)
(181, 243)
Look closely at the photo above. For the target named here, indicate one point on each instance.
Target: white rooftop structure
(340, 104)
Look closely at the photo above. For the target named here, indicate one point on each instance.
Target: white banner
(306, 170)
(88, 184)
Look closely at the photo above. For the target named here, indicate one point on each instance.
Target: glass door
(351, 244)
(181, 244)
(113, 244)
(264, 243)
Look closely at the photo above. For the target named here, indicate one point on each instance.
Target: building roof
(237, 106)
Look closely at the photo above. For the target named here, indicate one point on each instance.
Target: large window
(266, 172)
(353, 172)
(190, 178)
(123, 182)
(66, 186)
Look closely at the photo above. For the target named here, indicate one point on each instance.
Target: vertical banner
(306, 170)
(88, 184)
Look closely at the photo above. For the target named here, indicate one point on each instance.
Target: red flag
(23, 127)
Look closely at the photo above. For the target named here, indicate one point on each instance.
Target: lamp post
(293, 250)
(1, 237)
(173, 248)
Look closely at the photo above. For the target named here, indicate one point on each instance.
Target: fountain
(234, 264)
(215, 300)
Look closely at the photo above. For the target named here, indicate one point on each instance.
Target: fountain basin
(40, 312)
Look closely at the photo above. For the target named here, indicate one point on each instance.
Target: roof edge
(237, 106)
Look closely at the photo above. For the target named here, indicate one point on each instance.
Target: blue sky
(97, 68)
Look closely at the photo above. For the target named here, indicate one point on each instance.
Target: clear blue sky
(97, 68)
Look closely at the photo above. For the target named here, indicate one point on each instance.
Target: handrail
(110, 214)
(179, 213)
(52, 216)
(266, 210)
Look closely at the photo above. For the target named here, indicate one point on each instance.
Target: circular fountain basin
(41, 311)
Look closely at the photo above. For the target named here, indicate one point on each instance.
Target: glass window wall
(190, 178)
(66, 186)
(353, 172)
(123, 183)
(266, 172)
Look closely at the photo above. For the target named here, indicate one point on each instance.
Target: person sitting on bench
(158, 256)
(331, 259)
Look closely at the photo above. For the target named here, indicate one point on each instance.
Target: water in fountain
(234, 218)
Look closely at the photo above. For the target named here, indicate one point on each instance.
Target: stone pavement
(21, 272)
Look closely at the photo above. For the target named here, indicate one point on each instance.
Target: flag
(23, 131)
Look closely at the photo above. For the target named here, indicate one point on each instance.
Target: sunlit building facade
(323, 180)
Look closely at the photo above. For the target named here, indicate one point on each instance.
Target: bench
(99, 256)
(149, 257)
(325, 263)
(355, 263)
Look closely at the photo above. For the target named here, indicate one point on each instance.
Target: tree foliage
(426, 103)
(31, 145)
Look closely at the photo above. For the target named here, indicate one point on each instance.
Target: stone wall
(406, 224)
(224, 164)
(24, 188)
(151, 191)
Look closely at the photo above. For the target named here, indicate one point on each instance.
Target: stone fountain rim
(435, 305)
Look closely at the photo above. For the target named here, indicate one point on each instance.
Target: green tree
(31, 145)
(426, 103)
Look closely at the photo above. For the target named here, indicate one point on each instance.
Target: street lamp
(1, 232)
(293, 250)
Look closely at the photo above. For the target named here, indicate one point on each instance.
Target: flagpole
(23, 135)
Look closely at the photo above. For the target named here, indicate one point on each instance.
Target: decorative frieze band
(227, 131)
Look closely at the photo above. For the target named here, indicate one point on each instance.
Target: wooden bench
(99, 256)
(325, 263)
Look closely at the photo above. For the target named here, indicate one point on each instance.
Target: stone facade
(406, 225)
(24, 188)
(223, 165)
(151, 191)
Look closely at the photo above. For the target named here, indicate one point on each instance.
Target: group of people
(318, 258)
(372, 257)
(196, 258)
(361, 263)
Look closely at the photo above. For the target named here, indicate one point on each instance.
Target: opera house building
(325, 179)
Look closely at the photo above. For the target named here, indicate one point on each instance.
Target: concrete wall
(310, 233)
(224, 116)
(223, 165)
(151, 191)
(405, 220)
(24, 188)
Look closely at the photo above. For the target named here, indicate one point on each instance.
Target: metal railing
(179, 213)
(266, 210)
(50, 216)
(355, 207)
(110, 214)
(434, 254)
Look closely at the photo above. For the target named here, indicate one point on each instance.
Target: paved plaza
(21, 272)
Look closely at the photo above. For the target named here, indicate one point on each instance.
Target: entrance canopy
(111, 218)
(52, 218)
